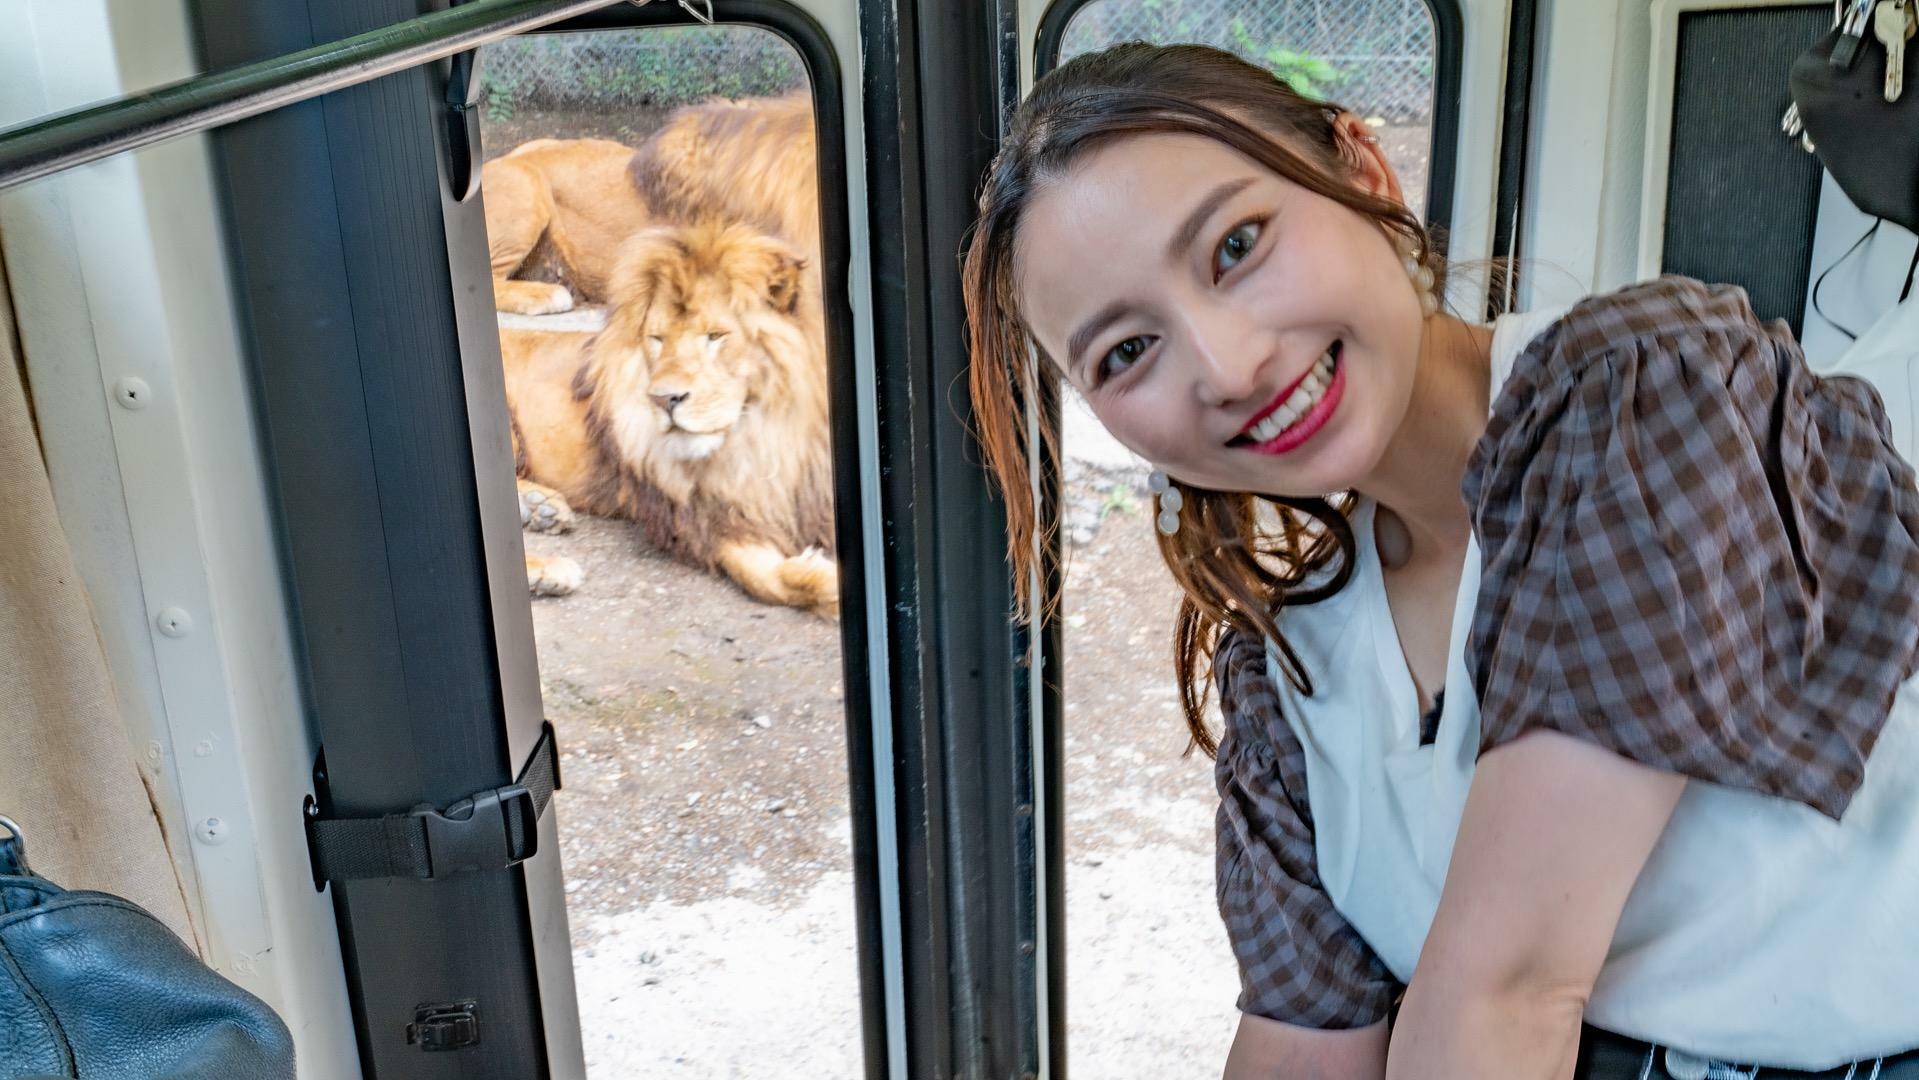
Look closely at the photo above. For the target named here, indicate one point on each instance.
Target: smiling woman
(1670, 783)
(1123, 126)
(1255, 267)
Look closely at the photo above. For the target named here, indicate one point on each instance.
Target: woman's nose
(1231, 355)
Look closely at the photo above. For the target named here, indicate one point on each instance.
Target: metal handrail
(47, 145)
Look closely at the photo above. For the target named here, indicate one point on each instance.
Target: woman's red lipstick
(1306, 426)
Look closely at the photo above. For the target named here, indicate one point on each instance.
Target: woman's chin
(1325, 464)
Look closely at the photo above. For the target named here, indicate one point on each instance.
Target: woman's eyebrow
(1083, 336)
(1195, 221)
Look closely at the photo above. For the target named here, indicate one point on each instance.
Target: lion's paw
(543, 510)
(554, 575)
(532, 298)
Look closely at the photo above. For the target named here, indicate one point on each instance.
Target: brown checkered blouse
(1696, 553)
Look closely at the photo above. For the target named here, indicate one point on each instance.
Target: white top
(1887, 356)
(1759, 931)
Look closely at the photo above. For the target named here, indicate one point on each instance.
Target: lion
(543, 510)
(560, 208)
(754, 161)
(699, 411)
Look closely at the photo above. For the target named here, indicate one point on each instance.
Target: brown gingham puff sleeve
(1299, 960)
(1697, 553)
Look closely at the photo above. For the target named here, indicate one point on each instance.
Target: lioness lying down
(557, 210)
(700, 411)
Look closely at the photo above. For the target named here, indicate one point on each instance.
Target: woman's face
(1236, 330)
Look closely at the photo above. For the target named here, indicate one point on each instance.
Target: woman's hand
(1269, 1050)
(1554, 834)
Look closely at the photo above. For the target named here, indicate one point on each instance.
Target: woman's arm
(1554, 834)
(1269, 1050)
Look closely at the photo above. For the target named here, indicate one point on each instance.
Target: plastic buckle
(452, 1025)
(473, 835)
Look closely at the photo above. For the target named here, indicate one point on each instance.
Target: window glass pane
(704, 822)
(1151, 978)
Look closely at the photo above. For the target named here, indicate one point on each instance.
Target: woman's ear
(1366, 159)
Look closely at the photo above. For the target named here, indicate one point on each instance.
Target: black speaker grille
(1741, 199)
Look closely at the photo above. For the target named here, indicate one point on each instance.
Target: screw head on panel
(132, 392)
(174, 622)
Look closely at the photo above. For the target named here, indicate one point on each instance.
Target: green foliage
(1175, 21)
(1307, 74)
(501, 92)
(1119, 500)
(1303, 71)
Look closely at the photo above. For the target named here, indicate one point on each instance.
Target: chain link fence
(1375, 57)
(657, 68)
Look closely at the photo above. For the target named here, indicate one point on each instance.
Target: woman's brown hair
(1238, 556)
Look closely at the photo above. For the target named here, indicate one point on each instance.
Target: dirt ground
(705, 828)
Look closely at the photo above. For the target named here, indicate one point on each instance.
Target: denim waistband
(1606, 1056)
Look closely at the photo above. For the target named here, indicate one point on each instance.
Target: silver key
(1893, 24)
(1795, 128)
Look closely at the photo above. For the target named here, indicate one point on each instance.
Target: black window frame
(1449, 40)
(1515, 127)
(387, 483)
(980, 861)
(826, 83)
(371, 345)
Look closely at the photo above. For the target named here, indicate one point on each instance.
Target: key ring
(19, 842)
(704, 12)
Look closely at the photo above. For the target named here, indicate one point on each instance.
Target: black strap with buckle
(488, 830)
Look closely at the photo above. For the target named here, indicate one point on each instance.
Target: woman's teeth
(1300, 401)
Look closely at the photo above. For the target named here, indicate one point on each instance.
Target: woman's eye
(1121, 356)
(1237, 245)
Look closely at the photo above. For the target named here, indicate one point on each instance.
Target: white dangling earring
(1170, 501)
(1420, 274)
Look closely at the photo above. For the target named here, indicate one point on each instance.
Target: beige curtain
(67, 770)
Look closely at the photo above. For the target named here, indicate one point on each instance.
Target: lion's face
(704, 370)
(689, 348)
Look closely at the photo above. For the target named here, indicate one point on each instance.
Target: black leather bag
(1870, 145)
(95, 988)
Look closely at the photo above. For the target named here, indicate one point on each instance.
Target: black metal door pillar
(979, 879)
(368, 322)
